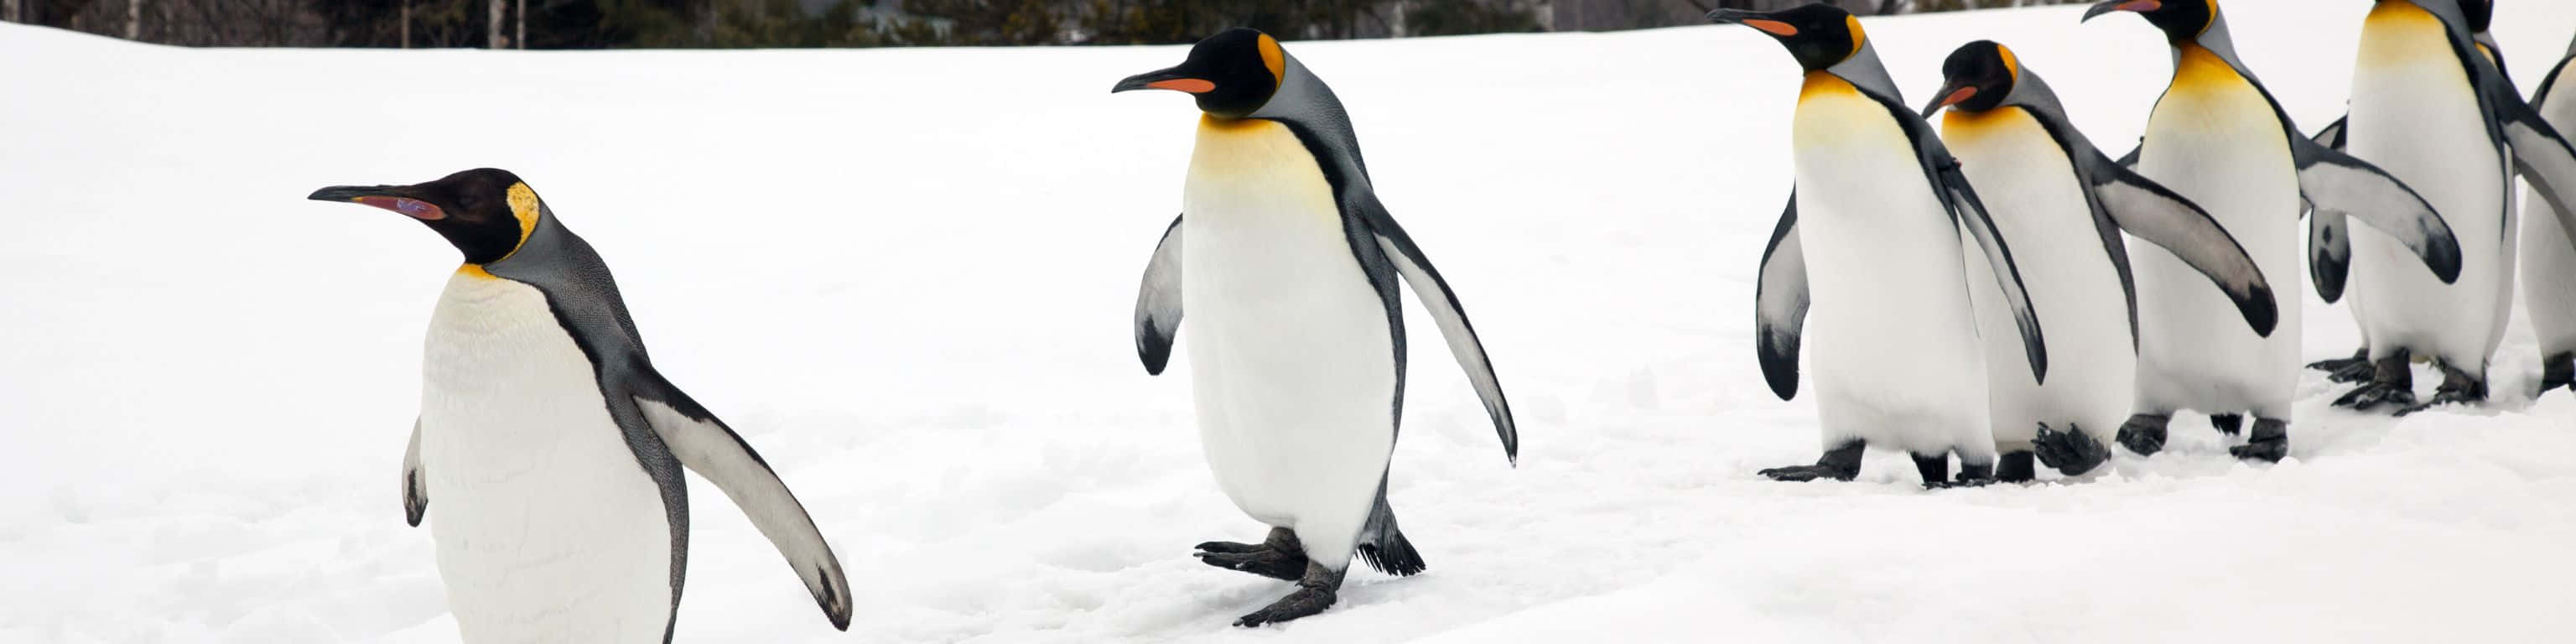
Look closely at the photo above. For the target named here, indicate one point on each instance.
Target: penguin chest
(2214, 140)
(2030, 189)
(2548, 256)
(547, 527)
(2415, 114)
(1291, 355)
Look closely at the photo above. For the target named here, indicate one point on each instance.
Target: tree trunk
(492, 28)
(406, 24)
(520, 39)
(9, 11)
(133, 19)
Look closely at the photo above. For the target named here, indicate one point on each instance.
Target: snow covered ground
(918, 312)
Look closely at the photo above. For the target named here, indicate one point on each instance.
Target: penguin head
(1979, 76)
(1232, 74)
(486, 213)
(2481, 14)
(2181, 20)
(1819, 35)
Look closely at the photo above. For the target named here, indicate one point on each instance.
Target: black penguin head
(1977, 77)
(484, 212)
(2181, 20)
(1819, 35)
(2481, 14)
(1232, 73)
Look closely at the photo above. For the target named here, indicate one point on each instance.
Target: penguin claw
(2267, 451)
(2441, 398)
(2373, 394)
(2143, 433)
(2360, 372)
(1306, 601)
(2228, 424)
(1229, 547)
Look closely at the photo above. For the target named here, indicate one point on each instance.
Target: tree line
(606, 24)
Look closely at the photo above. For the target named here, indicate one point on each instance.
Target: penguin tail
(1383, 546)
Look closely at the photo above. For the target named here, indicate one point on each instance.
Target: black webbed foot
(2357, 372)
(2144, 433)
(2558, 371)
(2457, 387)
(2070, 452)
(2391, 382)
(1970, 475)
(1840, 464)
(1316, 591)
(2336, 368)
(2228, 424)
(1934, 468)
(2016, 468)
(1278, 557)
(2270, 442)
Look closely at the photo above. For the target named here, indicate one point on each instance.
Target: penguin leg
(2270, 441)
(2228, 424)
(2558, 371)
(1934, 468)
(1316, 591)
(2144, 433)
(1840, 464)
(2458, 386)
(1278, 557)
(2016, 468)
(2335, 367)
(2071, 452)
(2392, 382)
(1971, 474)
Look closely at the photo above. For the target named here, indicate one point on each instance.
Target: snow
(905, 276)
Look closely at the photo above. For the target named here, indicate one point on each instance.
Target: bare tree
(520, 39)
(9, 11)
(133, 19)
(406, 24)
(493, 34)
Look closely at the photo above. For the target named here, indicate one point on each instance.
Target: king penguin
(2549, 250)
(2440, 114)
(2217, 137)
(1870, 245)
(1298, 367)
(2044, 181)
(552, 445)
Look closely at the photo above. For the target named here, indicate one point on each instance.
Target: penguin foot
(2335, 368)
(1969, 476)
(2228, 424)
(2451, 392)
(1840, 464)
(1278, 557)
(2558, 371)
(2071, 452)
(2374, 394)
(1808, 473)
(2358, 372)
(1934, 468)
(2270, 442)
(2144, 433)
(1315, 592)
(2016, 468)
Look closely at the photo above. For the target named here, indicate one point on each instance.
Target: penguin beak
(1171, 79)
(394, 198)
(1754, 19)
(1949, 95)
(2140, 6)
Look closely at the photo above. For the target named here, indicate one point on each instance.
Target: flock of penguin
(555, 448)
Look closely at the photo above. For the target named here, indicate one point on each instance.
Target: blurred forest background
(599, 24)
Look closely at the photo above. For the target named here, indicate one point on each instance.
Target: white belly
(1291, 357)
(2414, 115)
(2031, 191)
(2214, 140)
(548, 529)
(1890, 338)
(2548, 261)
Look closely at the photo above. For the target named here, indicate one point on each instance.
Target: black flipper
(1158, 301)
(2338, 186)
(1383, 545)
(1949, 185)
(2329, 244)
(415, 491)
(2158, 215)
(1433, 291)
(2332, 136)
(707, 446)
(1780, 303)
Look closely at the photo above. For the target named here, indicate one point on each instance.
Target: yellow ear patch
(523, 204)
(1273, 58)
(1858, 37)
(2011, 65)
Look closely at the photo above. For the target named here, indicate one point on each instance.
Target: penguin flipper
(2158, 215)
(1780, 303)
(1971, 215)
(2338, 183)
(1445, 310)
(2332, 136)
(1158, 302)
(2329, 252)
(2544, 157)
(415, 492)
(703, 443)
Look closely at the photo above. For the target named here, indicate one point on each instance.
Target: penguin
(552, 445)
(2044, 181)
(2436, 111)
(2548, 254)
(2358, 368)
(2217, 137)
(1870, 246)
(1298, 369)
